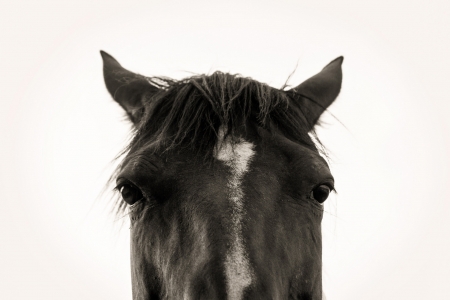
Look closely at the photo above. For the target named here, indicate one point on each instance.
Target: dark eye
(320, 193)
(130, 194)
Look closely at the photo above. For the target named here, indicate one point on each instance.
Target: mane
(187, 114)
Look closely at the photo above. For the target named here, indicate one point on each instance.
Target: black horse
(224, 184)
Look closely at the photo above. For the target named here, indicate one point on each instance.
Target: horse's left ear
(319, 91)
(127, 88)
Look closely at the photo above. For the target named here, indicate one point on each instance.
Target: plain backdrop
(386, 232)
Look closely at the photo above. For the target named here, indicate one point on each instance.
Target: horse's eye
(320, 193)
(130, 194)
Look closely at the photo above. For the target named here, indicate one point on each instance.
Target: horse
(224, 183)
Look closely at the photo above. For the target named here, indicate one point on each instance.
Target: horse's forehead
(237, 156)
(303, 152)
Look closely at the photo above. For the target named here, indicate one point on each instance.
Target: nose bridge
(238, 272)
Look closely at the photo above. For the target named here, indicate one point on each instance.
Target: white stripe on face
(237, 267)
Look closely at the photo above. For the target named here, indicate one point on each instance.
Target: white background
(387, 232)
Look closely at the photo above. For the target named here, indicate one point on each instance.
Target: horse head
(223, 184)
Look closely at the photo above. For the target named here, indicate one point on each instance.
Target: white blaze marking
(237, 267)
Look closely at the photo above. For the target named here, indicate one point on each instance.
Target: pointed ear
(319, 91)
(127, 88)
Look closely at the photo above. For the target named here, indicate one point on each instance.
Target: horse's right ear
(127, 88)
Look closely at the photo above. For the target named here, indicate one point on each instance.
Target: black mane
(188, 113)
